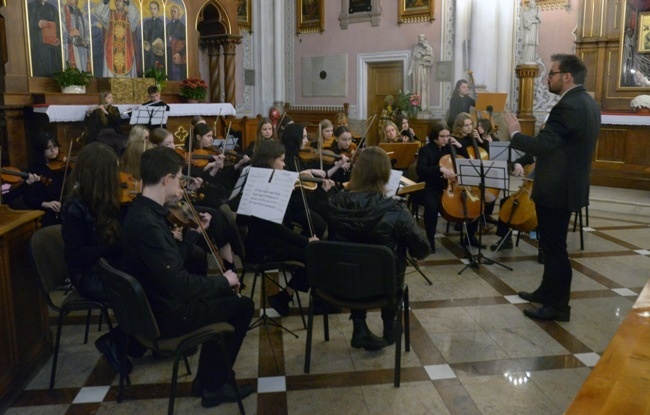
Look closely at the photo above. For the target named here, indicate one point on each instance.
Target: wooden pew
(620, 381)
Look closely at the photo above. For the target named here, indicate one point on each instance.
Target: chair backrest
(46, 256)
(351, 270)
(129, 302)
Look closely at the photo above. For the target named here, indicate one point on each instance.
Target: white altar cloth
(72, 113)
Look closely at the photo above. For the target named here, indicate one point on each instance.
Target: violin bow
(304, 199)
(320, 145)
(223, 150)
(363, 137)
(189, 153)
(279, 124)
(214, 127)
(208, 241)
(65, 174)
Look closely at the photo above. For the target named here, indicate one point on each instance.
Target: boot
(280, 302)
(363, 337)
(389, 331)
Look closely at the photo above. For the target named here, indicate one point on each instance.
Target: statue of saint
(530, 24)
(421, 62)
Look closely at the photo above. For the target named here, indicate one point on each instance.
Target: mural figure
(153, 35)
(176, 61)
(120, 38)
(44, 37)
(76, 37)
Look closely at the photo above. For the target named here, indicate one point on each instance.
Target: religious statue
(530, 21)
(419, 68)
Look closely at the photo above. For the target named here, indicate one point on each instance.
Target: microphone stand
(476, 260)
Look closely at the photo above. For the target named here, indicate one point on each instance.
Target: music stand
(482, 174)
(403, 153)
(149, 115)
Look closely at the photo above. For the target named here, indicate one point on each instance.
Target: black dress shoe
(107, 347)
(549, 313)
(225, 394)
(531, 297)
(505, 245)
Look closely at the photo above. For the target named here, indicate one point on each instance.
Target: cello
(518, 211)
(459, 203)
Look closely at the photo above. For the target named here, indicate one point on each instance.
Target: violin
(348, 152)
(130, 187)
(518, 211)
(459, 203)
(13, 175)
(61, 163)
(309, 154)
(199, 158)
(308, 182)
(180, 215)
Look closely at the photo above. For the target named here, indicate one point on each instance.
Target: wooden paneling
(611, 145)
(25, 336)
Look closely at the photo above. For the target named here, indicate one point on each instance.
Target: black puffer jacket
(370, 217)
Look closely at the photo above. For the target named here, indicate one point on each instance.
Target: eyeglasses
(551, 73)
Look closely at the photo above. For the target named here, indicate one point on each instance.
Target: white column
(263, 45)
(278, 51)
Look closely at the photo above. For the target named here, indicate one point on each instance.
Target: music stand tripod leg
(264, 319)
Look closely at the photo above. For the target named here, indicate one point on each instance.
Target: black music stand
(152, 116)
(482, 174)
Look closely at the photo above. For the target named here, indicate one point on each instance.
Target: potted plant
(72, 80)
(193, 89)
(408, 103)
(158, 74)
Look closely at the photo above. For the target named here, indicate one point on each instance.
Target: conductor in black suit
(564, 149)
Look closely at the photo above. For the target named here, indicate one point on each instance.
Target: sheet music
(393, 182)
(225, 144)
(148, 115)
(267, 193)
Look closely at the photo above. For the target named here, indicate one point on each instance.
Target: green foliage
(72, 76)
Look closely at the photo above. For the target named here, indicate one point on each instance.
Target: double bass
(459, 203)
(518, 211)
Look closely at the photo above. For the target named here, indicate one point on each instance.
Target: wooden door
(384, 78)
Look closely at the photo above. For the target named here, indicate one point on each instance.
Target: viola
(518, 210)
(491, 194)
(199, 158)
(459, 203)
(13, 175)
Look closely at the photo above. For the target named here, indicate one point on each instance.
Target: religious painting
(176, 17)
(311, 16)
(643, 43)
(117, 38)
(244, 14)
(414, 11)
(44, 32)
(634, 56)
(153, 35)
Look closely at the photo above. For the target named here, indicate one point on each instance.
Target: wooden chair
(359, 277)
(133, 313)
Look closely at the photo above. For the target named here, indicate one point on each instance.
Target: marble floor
(472, 349)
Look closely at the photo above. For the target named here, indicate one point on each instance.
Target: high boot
(363, 337)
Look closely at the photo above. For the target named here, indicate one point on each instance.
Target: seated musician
(392, 133)
(269, 241)
(466, 134)
(265, 131)
(41, 196)
(91, 226)
(182, 301)
(326, 134)
(130, 160)
(162, 137)
(343, 145)
(434, 175)
(103, 123)
(402, 121)
(365, 215)
(156, 102)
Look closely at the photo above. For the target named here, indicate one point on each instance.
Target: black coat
(371, 218)
(564, 150)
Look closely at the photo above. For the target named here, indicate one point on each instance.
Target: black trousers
(556, 280)
(430, 199)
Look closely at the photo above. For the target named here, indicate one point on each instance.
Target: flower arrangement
(158, 74)
(640, 101)
(194, 88)
(408, 103)
(72, 76)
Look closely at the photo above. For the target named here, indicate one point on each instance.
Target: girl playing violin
(269, 241)
(326, 129)
(38, 196)
(130, 160)
(162, 137)
(407, 133)
(343, 145)
(391, 133)
(265, 132)
(138, 132)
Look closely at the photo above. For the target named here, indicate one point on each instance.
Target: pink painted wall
(556, 31)
(360, 38)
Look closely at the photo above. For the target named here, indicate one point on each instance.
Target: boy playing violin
(182, 301)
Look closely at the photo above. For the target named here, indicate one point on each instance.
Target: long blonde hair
(130, 160)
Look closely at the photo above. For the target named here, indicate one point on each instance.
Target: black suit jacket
(564, 150)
